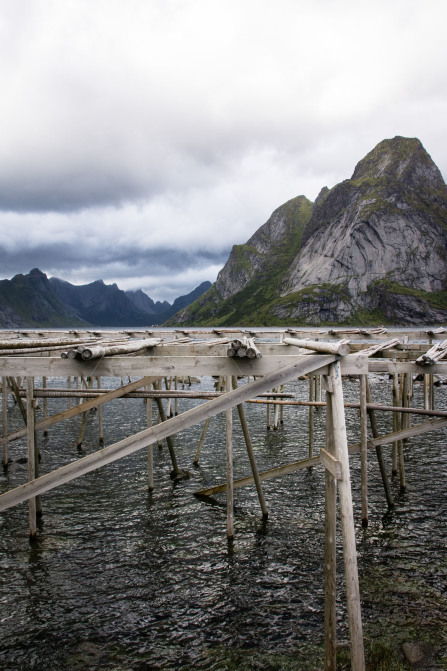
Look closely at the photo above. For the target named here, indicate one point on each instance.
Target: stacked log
(244, 348)
(434, 354)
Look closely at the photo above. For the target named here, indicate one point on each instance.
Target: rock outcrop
(373, 249)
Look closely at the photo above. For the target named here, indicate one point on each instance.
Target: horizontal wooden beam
(163, 366)
(123, 448)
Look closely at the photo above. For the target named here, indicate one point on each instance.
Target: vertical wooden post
(364, 449)
(44, 404)
(276, 416)
(100, 426)
(396, 424)
(268, 414)
(31, 438)
(69, 386)
(150, 452)
(311, 415)
(432, 391)
(347, 521)
(251, 454)
(229, 456)
(201, 440)
(405, 423)
(330, 556)
(176, 399)
(375, 433)
(5, 420)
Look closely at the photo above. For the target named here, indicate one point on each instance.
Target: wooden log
(142, 439)
(150, 451)
(433, 355)
(251, 454)
(347, 522)
(379, 455)
(31, 437)
(202, 440)
(177, 472)
(341, 348)
(330, 556)
(364, 449)
(100, 351)
(229, 464)
(5, 393)
(100, 423)
(311, 415)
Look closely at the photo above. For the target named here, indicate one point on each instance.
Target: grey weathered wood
(229, 464)
(251, 454)
(330, 557)
(78, 409)
(364, 449)
(144, 438)
(5, 420)
(347, 522)
(202, 440)
(32, 504)
(379, 455)
(341, 348)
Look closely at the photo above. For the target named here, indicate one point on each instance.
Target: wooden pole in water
(330, 556)
(347, 521)
(150, 452)
(100, 425)
(405, 424)
(396, 424)
(364, 449)
(5, 420)
(375, 433)
(44, 386)
(177, 473)
(229, 461)
(202, 440)
(31, 437)
(251, 454)
(311, 416)
(276, 416)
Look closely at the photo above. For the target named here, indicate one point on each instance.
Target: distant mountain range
(34, 300)
(371, 250)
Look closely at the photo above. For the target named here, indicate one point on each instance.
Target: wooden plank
(389, 438)
(272, 473)
(331, 463)
(160, 431)
(353, 364)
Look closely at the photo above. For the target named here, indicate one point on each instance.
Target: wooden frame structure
(269, 359)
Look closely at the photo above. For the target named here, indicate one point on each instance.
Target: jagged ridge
(373, 250)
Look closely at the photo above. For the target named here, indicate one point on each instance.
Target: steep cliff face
(387, 224)
(253, 273)
(372, 250)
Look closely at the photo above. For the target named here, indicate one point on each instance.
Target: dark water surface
(123, 579)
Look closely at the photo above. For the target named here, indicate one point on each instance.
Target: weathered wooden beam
(162, 366)
(83, 407)
(170, 427)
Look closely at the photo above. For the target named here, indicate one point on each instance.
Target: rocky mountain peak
(401, 159)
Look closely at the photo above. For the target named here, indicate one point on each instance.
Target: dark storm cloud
(146, 138)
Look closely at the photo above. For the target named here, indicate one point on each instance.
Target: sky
(141, 139)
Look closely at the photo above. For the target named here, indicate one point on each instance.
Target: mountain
(35, 301)
(371, 250)
(29, 301)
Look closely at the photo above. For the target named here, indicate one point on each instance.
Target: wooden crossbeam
(160, 431)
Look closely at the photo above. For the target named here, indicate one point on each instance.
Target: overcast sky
(141, 139)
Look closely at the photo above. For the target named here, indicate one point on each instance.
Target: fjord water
(123, 579)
